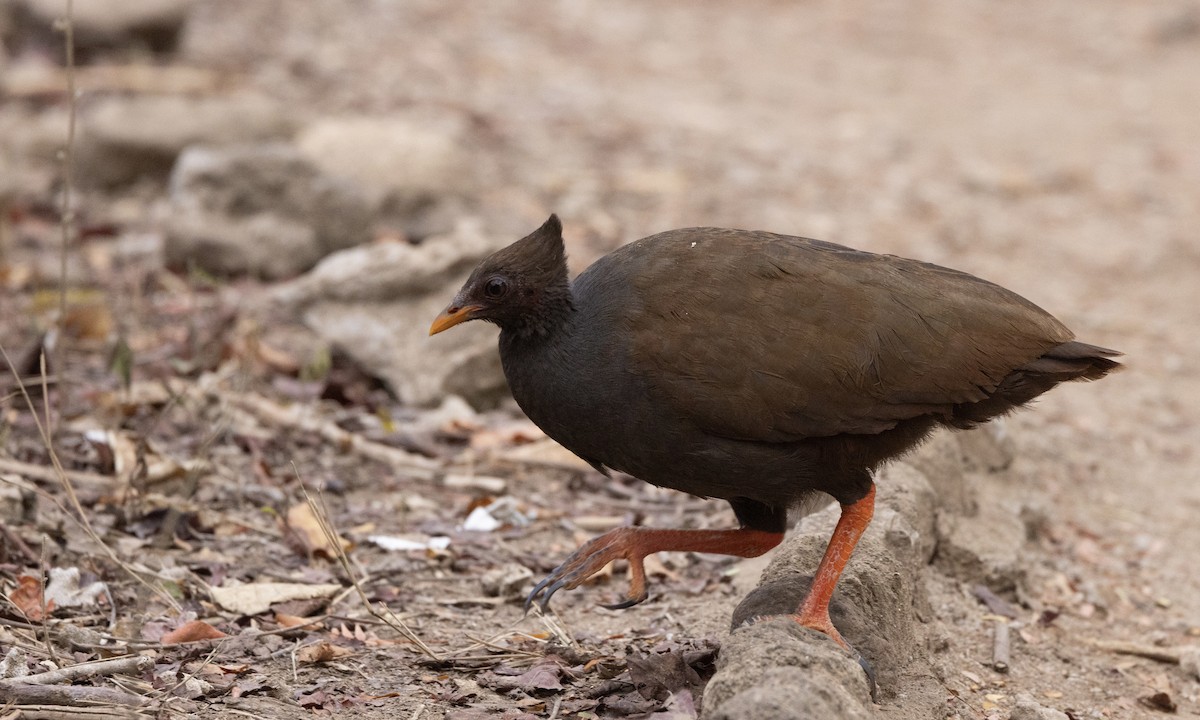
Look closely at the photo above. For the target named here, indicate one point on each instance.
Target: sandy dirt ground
(1050, 147)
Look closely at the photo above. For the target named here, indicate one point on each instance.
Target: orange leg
(814, 611)
(634, 544)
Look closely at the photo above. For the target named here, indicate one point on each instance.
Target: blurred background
(298, 188)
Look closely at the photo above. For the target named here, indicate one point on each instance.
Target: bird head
(517, 288)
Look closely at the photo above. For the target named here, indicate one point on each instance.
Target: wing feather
(774, 338)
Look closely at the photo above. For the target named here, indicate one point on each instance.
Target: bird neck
(551, 314)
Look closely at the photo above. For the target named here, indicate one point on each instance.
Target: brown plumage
(758, 368)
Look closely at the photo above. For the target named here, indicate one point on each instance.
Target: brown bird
(757, 368)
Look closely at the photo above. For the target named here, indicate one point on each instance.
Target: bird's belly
(676, 456)
(612, 419)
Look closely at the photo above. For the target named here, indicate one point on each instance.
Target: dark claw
(870, 671)
(537, 589)
(627, 603)
(545, 603)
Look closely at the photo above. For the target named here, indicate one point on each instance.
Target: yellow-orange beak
(453, 315)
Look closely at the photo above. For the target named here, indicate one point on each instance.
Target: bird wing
(772, 338)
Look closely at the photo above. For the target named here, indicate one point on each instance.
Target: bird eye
(495, 288)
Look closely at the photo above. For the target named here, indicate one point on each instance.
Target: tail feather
(1065, 362)
(1076, 361)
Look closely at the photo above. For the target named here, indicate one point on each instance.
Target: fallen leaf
(255, 598)
(27, 597)
(291, 621)
(672, 668)
(305, 528)
(321, 652)
(89, 322)
(191, 632)
(542, 677)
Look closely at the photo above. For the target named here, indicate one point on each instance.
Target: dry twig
(1171, 656)
(1001, 646)
(275, 414)
(50, 712)
(71, 673)
(43, 691)
(49, 474)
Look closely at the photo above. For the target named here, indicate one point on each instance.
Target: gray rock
(260, 209)
(1189, 661)
(941, 459)
(987, 448)
(106, 24)
(376, 302)
(1029, 709)
(872, 606)
(777, 670)
(416, 171)
(123, 139)
(506, 581)
(984, 548)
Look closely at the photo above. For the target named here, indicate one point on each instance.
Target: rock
(415, 171)
(984, 548)
(777, 670)
(106, 24)
(261, 209)
(941, 459)
(1189, 661)
(987, 448)
(797, 673)
(911, 533)
(507, 581)
(376, 303)
(872, 606)
(1029, 709)
(123, 139)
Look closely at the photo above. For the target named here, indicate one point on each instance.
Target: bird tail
(1075, 361)
(1065, 362)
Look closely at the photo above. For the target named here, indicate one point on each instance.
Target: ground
(1048, 147)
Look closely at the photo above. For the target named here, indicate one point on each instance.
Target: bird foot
(589, 559)
(822, 624)
(634, 544)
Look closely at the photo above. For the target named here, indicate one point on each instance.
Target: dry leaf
(89, 322)
(191, 632)
(322, 652)
(27, 597)
(291, 621)
(306, 530)
(540, 678)
(255, 598)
